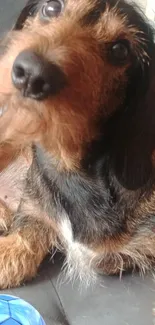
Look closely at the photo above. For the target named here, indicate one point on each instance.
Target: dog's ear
(134, 127)
(29, 10)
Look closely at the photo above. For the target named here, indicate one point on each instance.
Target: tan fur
(22, 252)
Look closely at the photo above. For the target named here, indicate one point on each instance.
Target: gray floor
(111, 302)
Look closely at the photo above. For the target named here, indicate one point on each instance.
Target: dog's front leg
(21, 252)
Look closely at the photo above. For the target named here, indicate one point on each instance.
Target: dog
(77, 134)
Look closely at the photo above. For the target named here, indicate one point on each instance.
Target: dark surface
(110, 302)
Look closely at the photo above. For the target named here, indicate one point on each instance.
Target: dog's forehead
(89, 12)
(108, 20)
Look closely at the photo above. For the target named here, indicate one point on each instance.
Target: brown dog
(77, 139)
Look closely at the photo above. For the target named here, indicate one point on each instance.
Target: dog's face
(68, 66)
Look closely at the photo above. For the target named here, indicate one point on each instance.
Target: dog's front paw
(18, 261)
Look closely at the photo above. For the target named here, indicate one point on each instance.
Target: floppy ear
(28, 11)
(134, 127)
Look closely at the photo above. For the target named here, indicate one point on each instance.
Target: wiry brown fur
(69, 50)
(21, 254)
(65, 126)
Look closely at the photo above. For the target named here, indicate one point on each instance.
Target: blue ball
(15, 311)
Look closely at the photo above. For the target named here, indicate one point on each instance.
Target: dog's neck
(125, 150)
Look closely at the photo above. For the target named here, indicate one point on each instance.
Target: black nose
(35, 77)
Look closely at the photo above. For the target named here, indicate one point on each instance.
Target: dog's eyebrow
(29, 10)
(95, 13)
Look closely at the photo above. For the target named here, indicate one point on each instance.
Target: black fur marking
(29, 10)
(84, 199)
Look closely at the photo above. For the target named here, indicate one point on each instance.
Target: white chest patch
(80, 260)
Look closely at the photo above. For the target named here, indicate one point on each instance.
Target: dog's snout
(35, 77)
(30, 75)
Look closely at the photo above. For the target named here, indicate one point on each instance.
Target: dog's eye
(51, 9)
(119, 52)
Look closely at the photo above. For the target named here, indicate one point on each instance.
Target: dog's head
(68, 68)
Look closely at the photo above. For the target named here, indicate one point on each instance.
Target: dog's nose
(35, 77)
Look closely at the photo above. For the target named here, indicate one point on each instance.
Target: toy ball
(15, 311)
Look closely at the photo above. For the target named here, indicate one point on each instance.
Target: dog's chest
(83, 199)
(81, 261)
